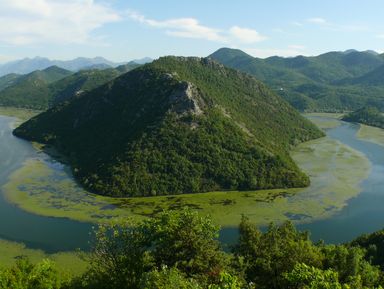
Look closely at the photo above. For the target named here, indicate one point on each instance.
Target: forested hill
(177, 125)
(30, 90)
(42, 88)
(85, 80)
(367, 115)
(334, 81)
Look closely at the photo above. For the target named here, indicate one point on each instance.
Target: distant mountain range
(28, 65)
(332, 81)
(177, 125)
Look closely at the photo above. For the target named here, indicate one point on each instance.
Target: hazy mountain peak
(27, 65)
(349, 51)
(143, 60)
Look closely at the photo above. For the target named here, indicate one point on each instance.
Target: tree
(267, 256)
(25, 275)
(119, 257)
(188, 242)
(124, 252)
(349, 262)
(308, 277)
(227, 281)
(167, 278)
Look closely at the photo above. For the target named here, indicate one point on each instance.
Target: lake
(363, 214)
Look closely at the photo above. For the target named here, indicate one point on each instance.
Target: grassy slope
(127, 138)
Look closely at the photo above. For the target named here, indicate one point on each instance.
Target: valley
(68, 179)
(44, 187)
(42, 190)
(335, 81)
(191, 144)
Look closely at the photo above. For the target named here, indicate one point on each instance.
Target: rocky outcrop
(187, 99)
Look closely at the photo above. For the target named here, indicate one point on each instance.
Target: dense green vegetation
(43, 88)
(334, 81)
(367, 115)
(85, 80)
(32, 90)
(178, 125)
(372, 78)
(8, 80)
(180, 250)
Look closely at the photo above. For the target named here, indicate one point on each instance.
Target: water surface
(363, 214)
(49, 234)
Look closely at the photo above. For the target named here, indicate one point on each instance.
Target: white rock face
(187, 99)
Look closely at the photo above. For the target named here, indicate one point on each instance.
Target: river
(363, 214)
(49, 234)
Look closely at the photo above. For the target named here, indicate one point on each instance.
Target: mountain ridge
(43, 88)
(315, 83)
(31, 90)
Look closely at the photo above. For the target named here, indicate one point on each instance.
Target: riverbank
(21, 114)
(371, 134)
(45, 187)
(325, 120)
(67, 263)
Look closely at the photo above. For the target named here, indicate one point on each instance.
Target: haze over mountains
(27, 65)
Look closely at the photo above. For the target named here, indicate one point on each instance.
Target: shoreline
(67, 263)
(371, 134)
(226, 208)
(56, 194)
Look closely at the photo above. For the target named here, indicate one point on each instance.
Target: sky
(122, 30)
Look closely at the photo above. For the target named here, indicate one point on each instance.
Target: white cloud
(381, 36)
(47, 21)
(246, 35)
(337, 27)
(181, 27)
(317, 20)
(296, 23)
(191, 28)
